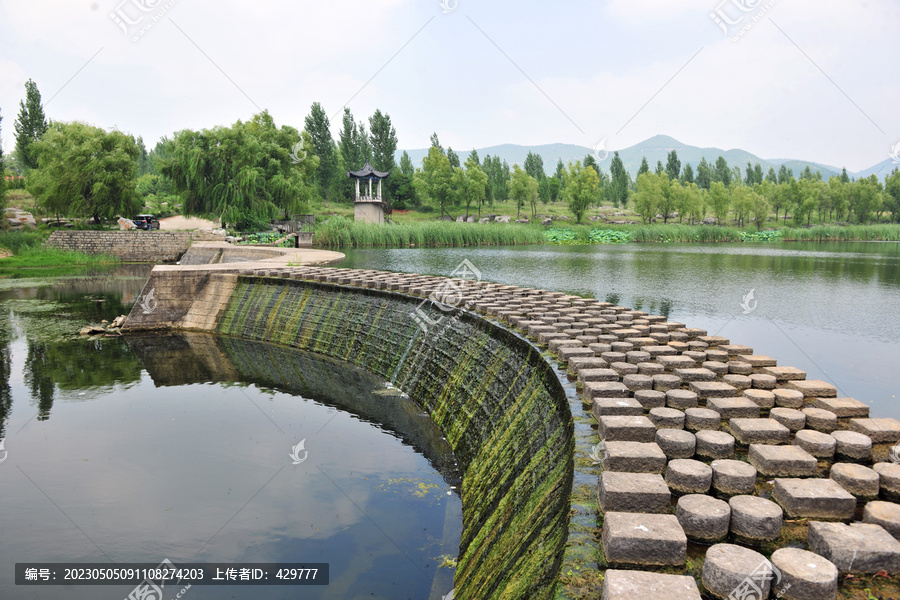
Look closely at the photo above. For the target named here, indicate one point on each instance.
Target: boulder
(547, 222)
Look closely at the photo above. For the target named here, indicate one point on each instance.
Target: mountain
(655, 149)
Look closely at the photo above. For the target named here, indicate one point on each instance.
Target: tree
(406, 165)
(659, 168)
(581, 188)
(242, 175)
(704, 175)
(838, 192)
(721, 172)
(453, 157)
(759, 209)
(476, 191)
(844, 177)
(863, 197)
(687, 175)
(534, 165)
(693, 203)
(791, 196)
(673, 166)
(523, 188)
(892, 195)
(785, 175)
(145, 165)
(85, 171)
(749, 177)
(328, 175)
(434, 181)
(644, 168)
(757, 174)
(354, 150)
(719, 200)
(618, 184)
(436, 143)
(2, 169)
(647, 190)
(560, 172)
(30, 125)
(743, 199)
(383, 139)
(771, 176)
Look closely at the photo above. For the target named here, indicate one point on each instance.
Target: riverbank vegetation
(25, 249)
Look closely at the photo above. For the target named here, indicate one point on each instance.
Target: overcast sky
(808, 79)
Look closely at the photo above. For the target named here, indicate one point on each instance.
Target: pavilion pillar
(357, 189)
(379, 190)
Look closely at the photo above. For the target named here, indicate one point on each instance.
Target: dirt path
(178, 222)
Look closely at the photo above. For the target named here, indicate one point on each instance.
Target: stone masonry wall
(129, 246)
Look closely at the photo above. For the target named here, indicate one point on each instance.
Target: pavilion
(371, 207)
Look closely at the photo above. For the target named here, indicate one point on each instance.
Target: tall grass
(340, 232)
(19, 241)
(53, 257)
(848, 233)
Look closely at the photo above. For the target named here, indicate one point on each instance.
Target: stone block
(814, 499)
(755, 519)
(842, 407)
(626, 429)
(643, 539)
(852, 445)
(731, 408)
(855, 548)
(676, 443)
(813, 388)
(759, 431)
(687, 476)
(616, 407)
(860, 481)
(697, 419)
(733, 477)
(782, 461)
(885, 514)
(703, 518)
(633, 457)
(804, 575)
(605, 389)
(728, 568)
(881, 431)
(628, 585)
(633, 492)
(714, 444)
(820, 445)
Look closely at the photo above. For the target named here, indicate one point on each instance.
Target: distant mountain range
(655, 149)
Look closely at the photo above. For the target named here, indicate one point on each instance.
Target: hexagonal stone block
(820, 445)
(820, 420)
(695, 374)
(626, 429)
(731, 408)
(714, 444)
(627, 585)
(597, 375)
(860, 481)
(759, 431)
(733, 477)
(605, 389)
(791, 418)
(813, 388)
(616, 407)
(633, 492)
(881, 431)
(667, 418)
(889, 476)
(782, 461)
(712, 389)
(650, 399)
(755, 519)
(681, 399)
(698, 419)
(762, 398)
(784, 373)
(643, 539)
(814, 499)
(633, 457)
(855, 548)
(703, 518)
(852, 445)
(805, 575)
(676, 443)
(885, 514)
(687, 476)
(843, 407)
(729, 570)
(788, 398)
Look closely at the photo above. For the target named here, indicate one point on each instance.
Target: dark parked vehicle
(148, 222)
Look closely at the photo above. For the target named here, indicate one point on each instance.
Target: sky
(805, 79)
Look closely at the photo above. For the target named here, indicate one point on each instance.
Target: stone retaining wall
(129, 246)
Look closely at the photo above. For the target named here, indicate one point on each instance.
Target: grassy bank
(29, 252)
(339, 232)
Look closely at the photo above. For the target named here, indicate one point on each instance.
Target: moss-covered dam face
(500, 405)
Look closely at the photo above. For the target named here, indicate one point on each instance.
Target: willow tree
(246, 174)
(85, 171)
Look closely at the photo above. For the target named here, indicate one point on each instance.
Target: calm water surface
(832, 309)
(179, 447)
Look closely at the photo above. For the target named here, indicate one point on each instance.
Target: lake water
(183, 448)
(831, 309)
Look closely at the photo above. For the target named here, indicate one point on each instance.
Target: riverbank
(340, 232)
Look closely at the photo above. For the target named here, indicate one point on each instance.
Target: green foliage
(523, 188)
(267, 238)
(243, 174)
(581, 188)
(84, 171)
(762, 236)
(534, 165)
(30, 125)
(617, 192)
(328, 176)
(673, 166)
(383, 138)
(25, 239)
(340, 232)
(41, 257)
(435, 181)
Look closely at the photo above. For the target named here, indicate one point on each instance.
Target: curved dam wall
(500, 405)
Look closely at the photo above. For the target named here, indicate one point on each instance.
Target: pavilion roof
(367, 171)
